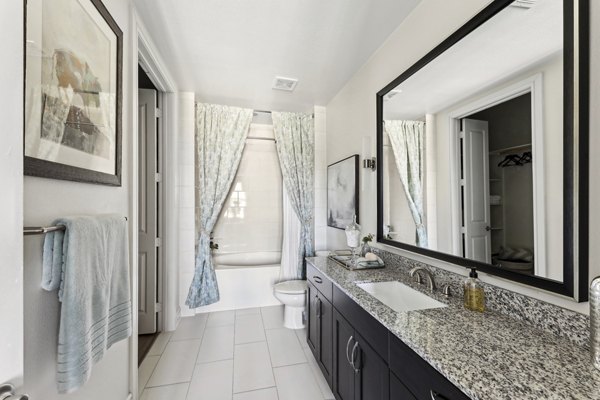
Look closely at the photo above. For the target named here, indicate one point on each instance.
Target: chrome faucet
(415, 273)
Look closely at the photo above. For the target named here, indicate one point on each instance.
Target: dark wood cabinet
(418, 376)
(320, 330)
(343, 371)
(312, 328)
(398, 391)
(359, 373)
(325, 352)
(359, 357)
(371, 372)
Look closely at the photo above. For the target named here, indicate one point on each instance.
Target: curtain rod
(260, 138)
(270, 112)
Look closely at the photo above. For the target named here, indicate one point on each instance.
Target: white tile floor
(232, 355)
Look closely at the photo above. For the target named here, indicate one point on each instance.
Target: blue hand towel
(89, 265)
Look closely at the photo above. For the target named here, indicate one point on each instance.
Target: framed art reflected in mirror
(482, 147)
(73, 91)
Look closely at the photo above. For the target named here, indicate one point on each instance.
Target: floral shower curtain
(408, 144)
(295, 137)
(221, 133)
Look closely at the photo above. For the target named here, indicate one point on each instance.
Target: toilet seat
(291, 287)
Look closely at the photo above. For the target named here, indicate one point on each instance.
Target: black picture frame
(576, 154)
(356, 189)
(53, 170)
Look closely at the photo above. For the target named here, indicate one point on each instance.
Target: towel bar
(40, 230)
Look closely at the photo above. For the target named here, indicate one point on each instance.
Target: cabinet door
(372, 379)
(312, 329)
(398, 391)
(343, 372)
(326, 337)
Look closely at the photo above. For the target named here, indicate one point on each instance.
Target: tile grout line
(262, 317)
(154, 369)
(196, 360)
(269, 351)
(256, 390)
(292, 365)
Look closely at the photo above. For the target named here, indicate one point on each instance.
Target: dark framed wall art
(73, 91)
(342, 192)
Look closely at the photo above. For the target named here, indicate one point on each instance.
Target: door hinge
(157, 307)
(158, 242)
(157, 177)
(158, 113)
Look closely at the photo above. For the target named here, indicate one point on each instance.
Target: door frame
(145, 53)
(534, 85)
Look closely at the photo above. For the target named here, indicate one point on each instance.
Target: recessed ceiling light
(287, 84)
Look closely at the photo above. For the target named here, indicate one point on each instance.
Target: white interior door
(11, 199)
(476, 211)
(148, 212)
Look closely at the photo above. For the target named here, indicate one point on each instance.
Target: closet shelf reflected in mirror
(511, 150)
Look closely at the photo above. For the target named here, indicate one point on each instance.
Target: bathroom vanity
(458, 182)
(368, 350)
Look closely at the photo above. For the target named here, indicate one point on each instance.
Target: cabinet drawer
(369, 328)
(418, 376)
(323, 284)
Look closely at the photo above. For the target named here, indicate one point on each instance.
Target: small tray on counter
(346, 262)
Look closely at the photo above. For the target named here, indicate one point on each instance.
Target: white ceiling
(229, 51)
(514, 40)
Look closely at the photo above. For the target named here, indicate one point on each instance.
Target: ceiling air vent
(523, 3)
(287, 84)
(392, 93)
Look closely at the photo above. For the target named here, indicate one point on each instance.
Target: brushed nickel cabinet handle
(318, 305)
(436, 396)
(356, 369)
(347, 348)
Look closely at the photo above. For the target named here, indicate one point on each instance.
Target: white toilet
(293, 295)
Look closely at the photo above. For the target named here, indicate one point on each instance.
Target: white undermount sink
(400, 297)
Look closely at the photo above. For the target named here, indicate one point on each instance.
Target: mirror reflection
(473, 142)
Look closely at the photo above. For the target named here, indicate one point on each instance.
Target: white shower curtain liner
(292, 235)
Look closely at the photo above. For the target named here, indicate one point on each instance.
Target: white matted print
(73, 78)
(342, 192)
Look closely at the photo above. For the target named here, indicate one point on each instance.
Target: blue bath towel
(89, 265)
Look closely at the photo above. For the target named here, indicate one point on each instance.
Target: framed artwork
(342, 192)
(73, 91)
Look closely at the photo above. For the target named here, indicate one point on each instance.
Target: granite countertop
(489, 356)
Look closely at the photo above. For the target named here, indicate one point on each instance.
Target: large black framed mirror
(482, 147)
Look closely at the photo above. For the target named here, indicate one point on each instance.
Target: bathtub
(245, 280)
